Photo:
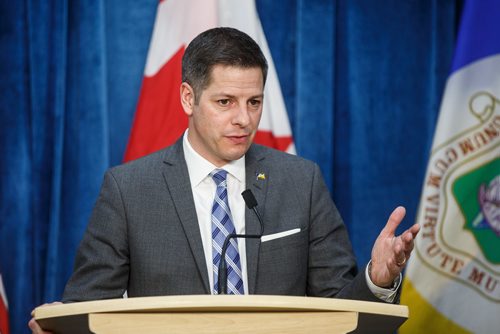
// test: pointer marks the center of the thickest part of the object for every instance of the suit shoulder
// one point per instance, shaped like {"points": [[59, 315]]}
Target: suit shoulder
{"points": [[146, 164], [282, 159]]}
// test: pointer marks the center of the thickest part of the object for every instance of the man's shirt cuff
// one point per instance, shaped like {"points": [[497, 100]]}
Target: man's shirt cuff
{"points": [[386, 294]]}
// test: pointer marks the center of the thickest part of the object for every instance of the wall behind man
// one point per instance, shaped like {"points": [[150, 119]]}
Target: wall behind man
{"points": [[362, 81]]}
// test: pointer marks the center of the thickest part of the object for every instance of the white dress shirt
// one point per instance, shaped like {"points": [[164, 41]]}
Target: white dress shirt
{"points": [[204, 187]]}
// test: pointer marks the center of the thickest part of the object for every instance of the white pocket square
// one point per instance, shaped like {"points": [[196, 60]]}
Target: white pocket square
{"points": [[278, 235]]}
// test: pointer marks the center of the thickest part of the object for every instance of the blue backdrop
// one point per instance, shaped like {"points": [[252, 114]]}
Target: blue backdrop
{"points": [[362, 82]]}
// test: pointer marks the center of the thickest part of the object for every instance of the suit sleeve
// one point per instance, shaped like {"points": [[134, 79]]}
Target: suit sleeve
{"points": [[332, 270], [101, 267]]}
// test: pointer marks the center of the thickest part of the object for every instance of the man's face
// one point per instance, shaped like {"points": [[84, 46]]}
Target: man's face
{"points": [[223, 124]]}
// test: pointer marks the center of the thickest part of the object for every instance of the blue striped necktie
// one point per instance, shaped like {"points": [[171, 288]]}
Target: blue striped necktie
{"points": [[222, 226]]}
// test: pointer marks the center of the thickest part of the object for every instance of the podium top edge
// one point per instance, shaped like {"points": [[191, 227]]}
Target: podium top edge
{"points": [[208, 303]]}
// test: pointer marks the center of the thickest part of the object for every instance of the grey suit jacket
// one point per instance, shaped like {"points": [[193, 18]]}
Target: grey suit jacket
{"points": [[144, 237]]}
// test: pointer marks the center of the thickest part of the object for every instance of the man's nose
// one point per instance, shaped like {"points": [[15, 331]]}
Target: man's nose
{"points": [[242, 117]]}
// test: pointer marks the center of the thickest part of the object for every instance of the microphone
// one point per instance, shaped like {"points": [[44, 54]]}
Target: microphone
{"points": [[251, 203]]}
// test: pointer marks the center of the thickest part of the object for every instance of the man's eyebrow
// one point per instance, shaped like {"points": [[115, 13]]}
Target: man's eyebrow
{"points": [[222, 95], [259, 96], [231, 96]]}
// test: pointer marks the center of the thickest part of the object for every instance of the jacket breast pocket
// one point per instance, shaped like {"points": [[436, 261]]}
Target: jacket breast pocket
{"points": [[283, 264], [285, 242]]}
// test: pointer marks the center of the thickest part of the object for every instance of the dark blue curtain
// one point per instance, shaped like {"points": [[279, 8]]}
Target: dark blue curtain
{"points": [[362, 82]]}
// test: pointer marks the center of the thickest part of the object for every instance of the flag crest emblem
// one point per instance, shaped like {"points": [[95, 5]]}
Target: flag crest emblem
{"points": [[478, 195]]}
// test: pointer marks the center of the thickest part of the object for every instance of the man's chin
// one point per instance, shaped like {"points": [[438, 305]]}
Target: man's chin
{"points": [[236, 153]]}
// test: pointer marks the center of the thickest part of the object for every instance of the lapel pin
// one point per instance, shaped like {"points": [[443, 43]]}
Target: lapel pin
{"points": [[261, 176]]}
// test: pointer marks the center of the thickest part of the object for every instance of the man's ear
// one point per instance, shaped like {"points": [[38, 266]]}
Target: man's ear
{"points": [[187, 98]]}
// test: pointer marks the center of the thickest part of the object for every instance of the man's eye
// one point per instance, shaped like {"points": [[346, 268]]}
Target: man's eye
{"points": [[255, 103], [223, 102]]}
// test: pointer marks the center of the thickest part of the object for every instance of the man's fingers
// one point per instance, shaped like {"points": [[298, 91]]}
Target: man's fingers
{"points": [[399, 256], [34, 326], [408, 238], [400, 253], [394, 220], [402, 262], [405, 244], [414, 230]]}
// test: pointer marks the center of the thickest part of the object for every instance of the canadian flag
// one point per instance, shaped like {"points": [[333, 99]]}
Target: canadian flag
{"points": [[4, 315], [159, 119]]}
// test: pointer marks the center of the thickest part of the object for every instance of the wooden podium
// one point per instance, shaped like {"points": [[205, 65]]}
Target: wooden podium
{"points": [[222, 314]]}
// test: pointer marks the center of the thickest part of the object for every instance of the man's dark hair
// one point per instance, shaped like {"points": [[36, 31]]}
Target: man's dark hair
{"points": [[219, 46]]}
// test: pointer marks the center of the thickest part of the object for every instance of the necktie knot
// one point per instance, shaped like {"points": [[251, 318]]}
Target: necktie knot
{"points": [[219, 176]]}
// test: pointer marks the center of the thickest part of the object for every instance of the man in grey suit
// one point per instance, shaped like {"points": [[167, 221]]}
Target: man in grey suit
{"points": [[152, 226]]}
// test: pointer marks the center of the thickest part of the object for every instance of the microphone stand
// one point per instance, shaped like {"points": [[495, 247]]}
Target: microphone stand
{"points": [[222, 283], [251, 203]]}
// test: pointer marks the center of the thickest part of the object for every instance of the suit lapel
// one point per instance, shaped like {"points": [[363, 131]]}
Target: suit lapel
{"points": [[257, 177], [176, 176]]}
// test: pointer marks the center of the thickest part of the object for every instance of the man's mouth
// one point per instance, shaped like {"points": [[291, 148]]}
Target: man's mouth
{"points": [[238, 139]]}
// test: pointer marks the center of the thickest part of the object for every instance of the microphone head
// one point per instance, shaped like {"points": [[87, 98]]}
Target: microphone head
{"points": [[249, 199]]}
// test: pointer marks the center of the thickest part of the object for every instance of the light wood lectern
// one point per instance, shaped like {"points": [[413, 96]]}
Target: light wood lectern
{"points": [[222, 314]]}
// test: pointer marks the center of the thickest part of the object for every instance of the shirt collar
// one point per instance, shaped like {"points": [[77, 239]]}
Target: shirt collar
{"points": [[199, 168]]}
